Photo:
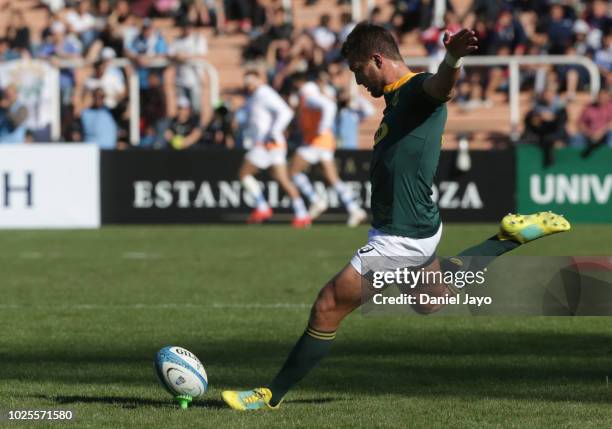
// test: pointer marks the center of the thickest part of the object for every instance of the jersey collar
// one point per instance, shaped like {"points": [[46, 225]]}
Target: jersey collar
{"points": [[402, 80]]}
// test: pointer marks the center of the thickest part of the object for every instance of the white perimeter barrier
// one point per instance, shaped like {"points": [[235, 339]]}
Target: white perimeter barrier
{"points": [[49, 186]]}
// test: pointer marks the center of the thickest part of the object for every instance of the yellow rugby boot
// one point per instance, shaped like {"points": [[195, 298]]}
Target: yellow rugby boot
{"points": [[256, 399], [526, 228]]}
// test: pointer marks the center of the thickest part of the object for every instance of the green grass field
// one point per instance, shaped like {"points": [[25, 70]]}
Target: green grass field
{"points": [[83, 313]]}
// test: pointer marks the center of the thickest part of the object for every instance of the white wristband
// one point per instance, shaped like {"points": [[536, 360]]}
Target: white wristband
{"points": [[452, 61]]}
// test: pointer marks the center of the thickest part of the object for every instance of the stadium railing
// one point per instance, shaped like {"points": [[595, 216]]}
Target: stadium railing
{"points": [[134, 88], [514, 63]]}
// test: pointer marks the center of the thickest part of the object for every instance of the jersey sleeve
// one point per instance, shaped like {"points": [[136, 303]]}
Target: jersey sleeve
{"points": [[417, 91]]}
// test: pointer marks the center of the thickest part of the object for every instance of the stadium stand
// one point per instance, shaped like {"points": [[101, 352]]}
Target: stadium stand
{"points": [[252, 34]]}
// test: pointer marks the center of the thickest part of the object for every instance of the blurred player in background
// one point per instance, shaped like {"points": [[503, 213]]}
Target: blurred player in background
{"points": [[317, 113], [268, 117]]}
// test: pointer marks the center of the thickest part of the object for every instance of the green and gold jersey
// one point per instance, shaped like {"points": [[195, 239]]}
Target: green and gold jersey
{"points": [[405, 158]]}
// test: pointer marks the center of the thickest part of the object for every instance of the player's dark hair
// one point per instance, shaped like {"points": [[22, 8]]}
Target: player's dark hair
{"points": [[367, 39]]}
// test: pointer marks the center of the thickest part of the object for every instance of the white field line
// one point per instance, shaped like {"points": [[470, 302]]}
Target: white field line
{"points": [[140, 255], [217, 305], [55, 255]]}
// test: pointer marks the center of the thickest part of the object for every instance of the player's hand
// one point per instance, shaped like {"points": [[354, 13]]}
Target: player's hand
{"points": [[461, 43]]}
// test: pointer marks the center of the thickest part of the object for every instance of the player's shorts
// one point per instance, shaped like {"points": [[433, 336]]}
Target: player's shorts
{"points": [[386, 252], [315, 154], [262, 157]]}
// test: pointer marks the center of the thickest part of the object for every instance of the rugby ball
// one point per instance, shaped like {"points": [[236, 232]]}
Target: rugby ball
{"points": [[181, 372]]}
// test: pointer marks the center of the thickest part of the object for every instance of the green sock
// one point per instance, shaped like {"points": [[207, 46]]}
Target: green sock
{"points": [[491, 247], [305, 355], [478, 257]]}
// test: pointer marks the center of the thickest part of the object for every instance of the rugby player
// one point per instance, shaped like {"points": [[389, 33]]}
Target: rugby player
{"points": [[317, 113], [406, 223], [268, 117]]}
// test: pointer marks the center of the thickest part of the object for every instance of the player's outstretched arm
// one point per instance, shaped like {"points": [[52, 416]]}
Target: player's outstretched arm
{"points": [[440, 85]]}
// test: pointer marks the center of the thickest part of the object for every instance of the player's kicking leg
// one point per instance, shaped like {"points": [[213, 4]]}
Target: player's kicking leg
{"points": [[343, 294], [357, 215], [247, 173], [515, 230], [339, 297], [281, 175]]}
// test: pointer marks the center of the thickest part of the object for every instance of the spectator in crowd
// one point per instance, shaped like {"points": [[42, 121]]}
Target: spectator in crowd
{"points": [[82, 22], [122, 19], [485, 37], [116, 29], [62, 45], [120, 13], [184, 130], [415, 14], [112, 81], [259, 17], [545, 124], [487, 10], [350, 114], [575, 75], [146, 49], [376, 17], [397, 25], [46, 33], [508, 37], [84, 29], [108, 37], [110, 78], [153, 115], [203, 13], [277, 33], [598, 16], [219, 132], [595, 124], [191, 45], [583, 43], [165, 8], [18, 32], [432, 36], [6, 53], [12, 117], [279, 28], [559, 30], [240, 11], [280, 62], [54, 5], [97, 123], [603, 56], [509, 32], [101, 12], [346, 26], [322, 35]]}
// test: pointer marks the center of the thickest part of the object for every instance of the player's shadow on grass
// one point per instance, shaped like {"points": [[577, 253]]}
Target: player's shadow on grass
{"points": [[130, 402], [514, 364], [313, 401]]}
